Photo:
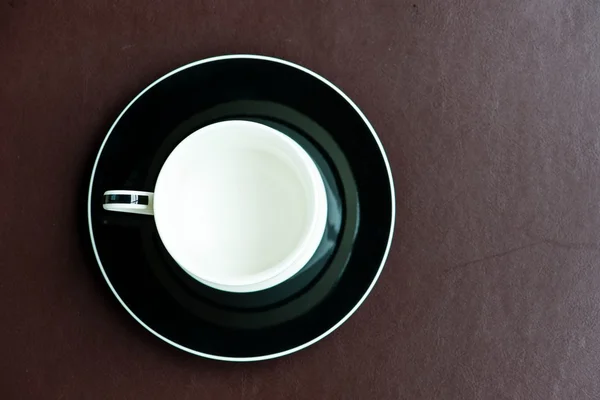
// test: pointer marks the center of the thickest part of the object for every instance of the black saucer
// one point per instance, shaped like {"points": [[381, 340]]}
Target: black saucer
{"points": [[319, 298]]}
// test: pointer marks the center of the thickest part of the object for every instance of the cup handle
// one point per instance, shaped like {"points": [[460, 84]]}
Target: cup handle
{"points": [[129, 201]]}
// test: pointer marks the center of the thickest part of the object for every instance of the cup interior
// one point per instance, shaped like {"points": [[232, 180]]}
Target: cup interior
{"points": [[237, 203]]}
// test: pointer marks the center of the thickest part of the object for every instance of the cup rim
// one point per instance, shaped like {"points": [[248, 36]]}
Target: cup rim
{"points": [[301, 253]]}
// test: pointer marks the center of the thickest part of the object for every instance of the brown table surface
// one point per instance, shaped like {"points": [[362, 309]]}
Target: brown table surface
{"points": [[489, 111]]}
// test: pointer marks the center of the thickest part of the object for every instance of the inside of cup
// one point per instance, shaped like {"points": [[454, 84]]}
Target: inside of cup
{"points": [[238, 202]]}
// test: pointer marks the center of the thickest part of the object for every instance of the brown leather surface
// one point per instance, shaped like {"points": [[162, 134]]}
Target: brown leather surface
{"points": [[490, 113]]}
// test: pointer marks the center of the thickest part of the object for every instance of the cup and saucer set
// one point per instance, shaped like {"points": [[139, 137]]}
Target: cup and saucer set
{"points": [[241, 208]]}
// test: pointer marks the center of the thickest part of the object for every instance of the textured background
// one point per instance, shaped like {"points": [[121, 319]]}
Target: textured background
{"points": [[489, 111]]}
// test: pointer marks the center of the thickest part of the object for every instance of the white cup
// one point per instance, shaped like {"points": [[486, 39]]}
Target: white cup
{"points": [[239, 206]]}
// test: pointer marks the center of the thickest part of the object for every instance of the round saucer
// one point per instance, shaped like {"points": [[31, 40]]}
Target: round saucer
{"points": [[272, 91]]}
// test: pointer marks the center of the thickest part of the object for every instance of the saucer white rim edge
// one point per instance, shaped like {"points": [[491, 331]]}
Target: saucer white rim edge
{"points": [[377, 140]]}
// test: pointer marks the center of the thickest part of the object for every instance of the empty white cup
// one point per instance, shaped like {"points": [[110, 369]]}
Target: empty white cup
{"points": [[239, 206]]}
